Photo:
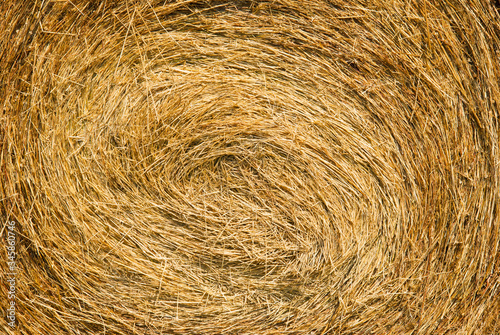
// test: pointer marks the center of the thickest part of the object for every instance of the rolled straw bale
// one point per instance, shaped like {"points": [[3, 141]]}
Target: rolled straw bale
{"points": [[251, 167]]}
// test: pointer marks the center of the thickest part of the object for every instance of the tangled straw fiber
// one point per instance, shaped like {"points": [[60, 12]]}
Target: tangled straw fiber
{"points": [[251, 167]]}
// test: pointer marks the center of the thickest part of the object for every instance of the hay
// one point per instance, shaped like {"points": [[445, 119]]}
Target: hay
{"points": [[251, 167]]}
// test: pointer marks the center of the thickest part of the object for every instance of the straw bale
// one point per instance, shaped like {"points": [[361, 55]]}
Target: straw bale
{"points": [[251, 167]]}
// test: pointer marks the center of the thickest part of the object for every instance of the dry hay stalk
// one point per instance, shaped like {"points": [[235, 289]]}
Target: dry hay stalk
{"points": [[251, 167]]}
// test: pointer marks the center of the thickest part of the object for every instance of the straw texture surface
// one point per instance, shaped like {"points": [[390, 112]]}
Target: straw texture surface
{"points": [[251, 167]]}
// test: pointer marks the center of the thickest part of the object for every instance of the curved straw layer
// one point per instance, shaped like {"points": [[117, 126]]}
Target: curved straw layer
{"points": [[254, 167]]}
